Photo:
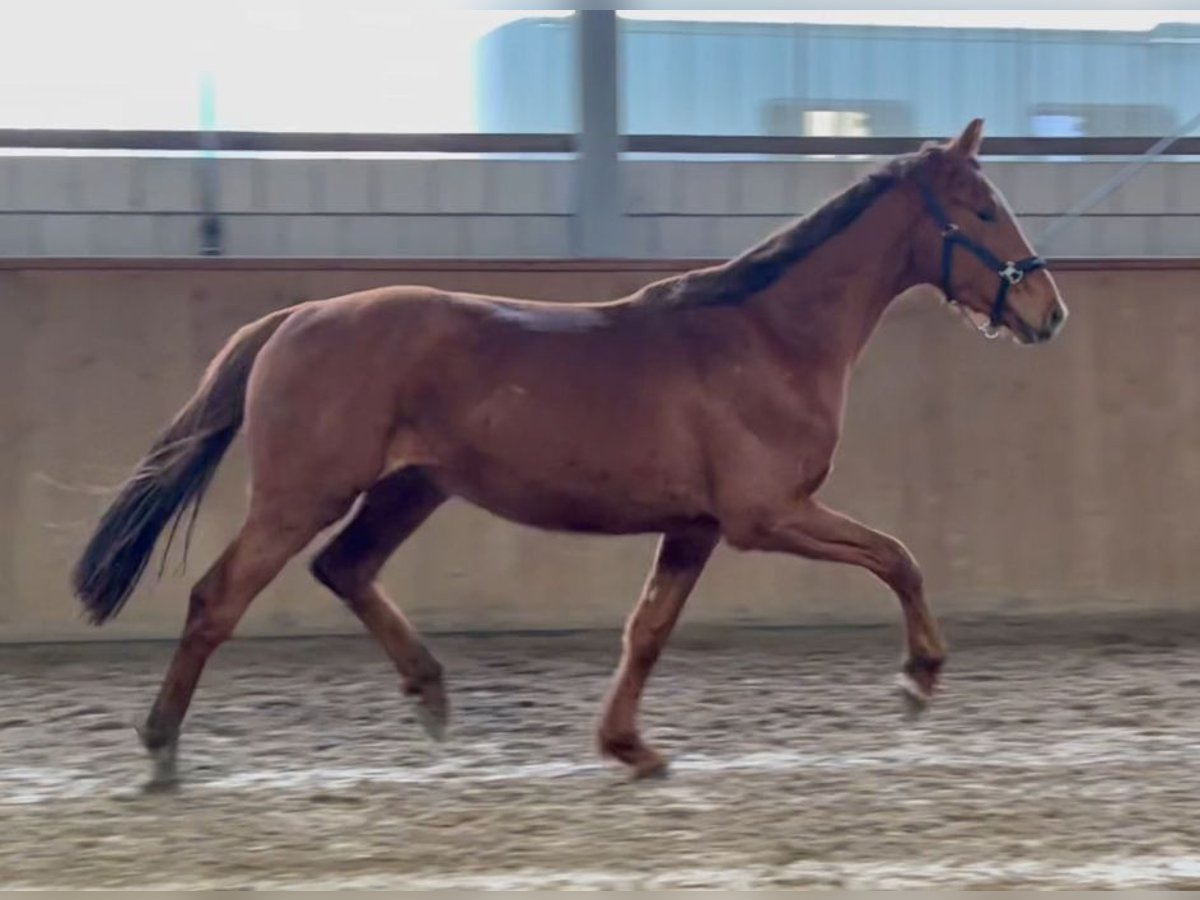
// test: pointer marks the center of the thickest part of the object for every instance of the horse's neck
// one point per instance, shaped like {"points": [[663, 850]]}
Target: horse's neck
{"points": [[834, 297]]}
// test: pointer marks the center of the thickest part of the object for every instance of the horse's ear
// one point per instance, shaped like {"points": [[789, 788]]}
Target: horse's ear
{"points": [[969, 142]]}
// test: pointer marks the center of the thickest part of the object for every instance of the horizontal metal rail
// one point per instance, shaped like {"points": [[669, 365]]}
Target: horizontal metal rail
{"points": [[282, 141], [751, 145], [891, 146]]}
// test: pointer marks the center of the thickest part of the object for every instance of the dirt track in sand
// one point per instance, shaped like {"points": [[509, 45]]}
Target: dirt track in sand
{"points": [[1054, 759]]}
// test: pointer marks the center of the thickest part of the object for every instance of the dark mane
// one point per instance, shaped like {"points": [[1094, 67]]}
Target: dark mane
{"points": [[760, 266]]}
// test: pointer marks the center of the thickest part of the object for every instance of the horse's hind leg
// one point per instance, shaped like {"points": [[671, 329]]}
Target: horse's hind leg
{"points": [[680, 560], [218, 601], [392, 509]]}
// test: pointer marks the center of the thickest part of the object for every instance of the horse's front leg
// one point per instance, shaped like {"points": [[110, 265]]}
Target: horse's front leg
{"points": [[812, 530]]}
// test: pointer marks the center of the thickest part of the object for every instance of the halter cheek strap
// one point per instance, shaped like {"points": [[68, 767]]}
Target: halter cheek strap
{"points": [[1010, 273]]}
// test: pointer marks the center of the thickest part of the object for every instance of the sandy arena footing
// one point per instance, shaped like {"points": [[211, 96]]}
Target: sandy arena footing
{"points": [[1059, 756]]}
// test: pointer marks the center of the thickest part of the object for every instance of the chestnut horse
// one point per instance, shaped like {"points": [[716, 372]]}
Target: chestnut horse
{"points": [[704, 407]]}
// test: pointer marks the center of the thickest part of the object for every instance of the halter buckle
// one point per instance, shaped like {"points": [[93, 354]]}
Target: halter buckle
{"points": [[1012, 274], [949, 229]]}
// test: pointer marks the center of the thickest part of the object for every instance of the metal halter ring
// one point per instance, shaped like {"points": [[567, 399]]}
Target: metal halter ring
{"points": [[990, 331], [1011, 273]]}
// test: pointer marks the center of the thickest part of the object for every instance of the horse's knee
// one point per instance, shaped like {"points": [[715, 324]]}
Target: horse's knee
{"points": [[331, 571], [322, 568]]}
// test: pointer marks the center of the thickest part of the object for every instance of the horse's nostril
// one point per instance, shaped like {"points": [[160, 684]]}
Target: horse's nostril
{"points": [[1056, 317]]}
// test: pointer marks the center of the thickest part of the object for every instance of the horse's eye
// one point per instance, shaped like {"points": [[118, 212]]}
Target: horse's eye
{"points": [[987, 214]]}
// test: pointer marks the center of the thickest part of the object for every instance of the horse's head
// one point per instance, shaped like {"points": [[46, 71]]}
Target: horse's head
{"points": [[970, 245]]}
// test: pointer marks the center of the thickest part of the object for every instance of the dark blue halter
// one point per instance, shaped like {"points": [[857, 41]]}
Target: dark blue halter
{"points": [[1010, 273]]}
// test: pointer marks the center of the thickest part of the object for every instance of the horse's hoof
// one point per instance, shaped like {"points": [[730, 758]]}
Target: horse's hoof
{"points": [[915, 698], [164, 774], [641, 761], [433, 712], [653, 766], [157, 785]]}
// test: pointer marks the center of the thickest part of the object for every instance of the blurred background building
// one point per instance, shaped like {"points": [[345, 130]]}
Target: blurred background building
{"points": [[799, 78], [377, 131]]}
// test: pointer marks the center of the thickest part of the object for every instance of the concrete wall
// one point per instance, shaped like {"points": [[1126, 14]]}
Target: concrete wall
{"points": [[1064, 478], [507, 208]]}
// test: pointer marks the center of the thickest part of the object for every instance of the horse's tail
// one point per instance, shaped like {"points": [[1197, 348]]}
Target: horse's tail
{"points": [[171, 477]]}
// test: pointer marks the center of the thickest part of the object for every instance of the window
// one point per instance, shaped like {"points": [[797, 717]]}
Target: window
{"points": [[1101, 120], [836, 123], [835, 118], [1051, 125]]}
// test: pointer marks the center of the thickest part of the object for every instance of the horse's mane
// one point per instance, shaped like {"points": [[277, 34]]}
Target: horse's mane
{"points": [[760, 266]]}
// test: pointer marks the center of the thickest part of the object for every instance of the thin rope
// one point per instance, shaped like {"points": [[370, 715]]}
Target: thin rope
{"points": [[1056, 227]]}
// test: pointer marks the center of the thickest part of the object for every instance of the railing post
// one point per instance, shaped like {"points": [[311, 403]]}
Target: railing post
{"points": [[598, 229], [207, 163]]}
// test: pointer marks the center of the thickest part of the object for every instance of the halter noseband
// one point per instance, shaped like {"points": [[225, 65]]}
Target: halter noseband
{"points": [[1010, 273]]}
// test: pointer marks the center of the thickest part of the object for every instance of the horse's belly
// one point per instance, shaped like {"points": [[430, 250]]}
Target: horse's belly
{"points": [[565, 450], [577, 496]]}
